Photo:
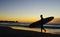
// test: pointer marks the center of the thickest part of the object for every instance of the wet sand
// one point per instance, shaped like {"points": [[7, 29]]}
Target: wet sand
{"points": [[9, 32]]}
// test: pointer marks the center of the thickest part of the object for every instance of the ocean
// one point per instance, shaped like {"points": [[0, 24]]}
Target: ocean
{"points": [[54, 29]]}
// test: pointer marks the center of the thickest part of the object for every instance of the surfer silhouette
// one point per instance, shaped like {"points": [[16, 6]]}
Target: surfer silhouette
{"points": [[42, 27], [41, 22]]}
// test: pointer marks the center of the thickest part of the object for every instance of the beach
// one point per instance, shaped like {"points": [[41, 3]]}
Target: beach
{"points": [[9, 32]]}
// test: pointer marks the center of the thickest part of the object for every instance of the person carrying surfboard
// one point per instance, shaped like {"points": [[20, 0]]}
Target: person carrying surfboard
{"points": [[41, 22], [42, 28]]}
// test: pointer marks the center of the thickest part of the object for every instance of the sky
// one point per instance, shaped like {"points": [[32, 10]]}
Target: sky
{"points": [[29, 10]]}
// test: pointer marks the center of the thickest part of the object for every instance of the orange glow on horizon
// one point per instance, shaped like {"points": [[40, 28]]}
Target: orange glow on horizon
{"points": [[27, 20], [19, 19]]}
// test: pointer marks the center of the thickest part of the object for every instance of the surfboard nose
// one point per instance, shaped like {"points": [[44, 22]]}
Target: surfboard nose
{"points": [[52, 17]]}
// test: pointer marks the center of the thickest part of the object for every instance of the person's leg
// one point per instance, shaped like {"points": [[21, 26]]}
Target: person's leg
{"points": [[44, 29], [41, 29]]}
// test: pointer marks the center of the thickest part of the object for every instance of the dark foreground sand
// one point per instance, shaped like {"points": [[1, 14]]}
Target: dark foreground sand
{"points": [[8, 32]]}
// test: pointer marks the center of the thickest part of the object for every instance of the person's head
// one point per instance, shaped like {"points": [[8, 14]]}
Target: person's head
{"points": [[41, 15]]}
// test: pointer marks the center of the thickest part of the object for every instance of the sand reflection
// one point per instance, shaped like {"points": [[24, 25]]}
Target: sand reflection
{"points": [[29, 29]]}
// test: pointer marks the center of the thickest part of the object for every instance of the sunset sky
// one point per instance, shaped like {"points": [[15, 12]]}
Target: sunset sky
{"points": [[29, 10]]}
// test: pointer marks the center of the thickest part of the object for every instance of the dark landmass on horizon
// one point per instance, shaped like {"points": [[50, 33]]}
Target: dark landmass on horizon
{"points": [[1, 21]]}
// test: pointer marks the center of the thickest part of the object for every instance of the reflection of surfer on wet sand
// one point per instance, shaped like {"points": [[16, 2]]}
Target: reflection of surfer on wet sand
{"points": [[42, 28]]}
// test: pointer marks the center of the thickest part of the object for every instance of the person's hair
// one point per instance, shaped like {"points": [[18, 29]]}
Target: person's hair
{"points": [[41, 15]]}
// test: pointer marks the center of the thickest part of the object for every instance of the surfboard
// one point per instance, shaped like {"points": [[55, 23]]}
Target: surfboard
{"points": [[40, 22]]}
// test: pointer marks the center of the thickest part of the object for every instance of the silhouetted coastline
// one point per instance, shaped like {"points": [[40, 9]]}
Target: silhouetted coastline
{"points": [[9, 32], [1, 21]]}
